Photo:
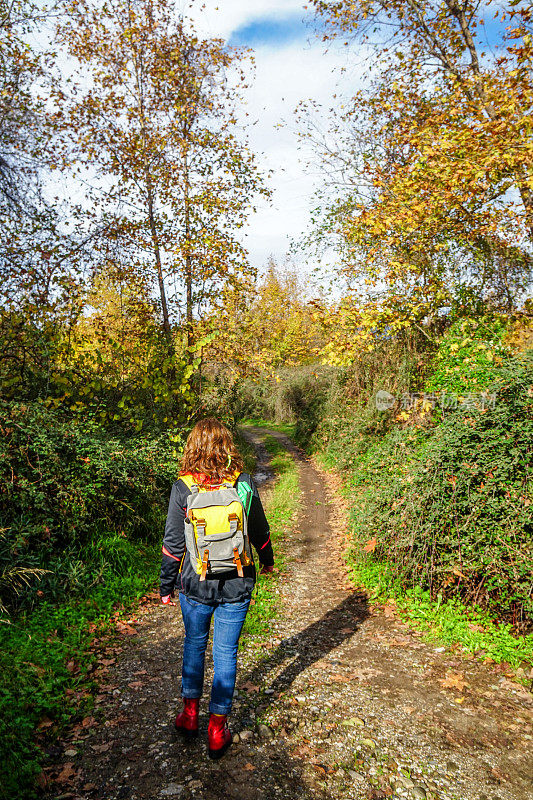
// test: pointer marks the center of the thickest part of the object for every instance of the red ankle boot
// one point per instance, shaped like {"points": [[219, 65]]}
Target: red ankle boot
{"points": [[187, 721], [218, 734]]}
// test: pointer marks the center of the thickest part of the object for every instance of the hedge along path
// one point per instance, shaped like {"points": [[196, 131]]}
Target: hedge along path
{"points": [[340, 700]]}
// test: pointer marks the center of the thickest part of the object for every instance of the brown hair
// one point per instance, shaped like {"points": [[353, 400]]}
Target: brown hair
{"points": [[210, 450]]}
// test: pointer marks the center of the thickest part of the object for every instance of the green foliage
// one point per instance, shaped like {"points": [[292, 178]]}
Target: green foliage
{"points": [[70, 495], [469, 357], [89, 508], [450, 506], [450, 622], [95, 370], [294, 396], [448, 502]]}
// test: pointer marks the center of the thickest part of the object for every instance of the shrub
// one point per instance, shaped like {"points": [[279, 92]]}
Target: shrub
{"points": [[450, 507], [69, 493]]}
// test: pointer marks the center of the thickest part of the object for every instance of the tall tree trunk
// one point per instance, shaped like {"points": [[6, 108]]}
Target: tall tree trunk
{"points": [[188, 264], [157, 254], [139, 75]]}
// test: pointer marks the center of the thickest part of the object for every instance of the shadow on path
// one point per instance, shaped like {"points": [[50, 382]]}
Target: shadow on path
{"points": [[311, 644]]}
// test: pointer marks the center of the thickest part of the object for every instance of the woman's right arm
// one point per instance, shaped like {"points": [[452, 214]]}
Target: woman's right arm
{"points": [[173, 542]]}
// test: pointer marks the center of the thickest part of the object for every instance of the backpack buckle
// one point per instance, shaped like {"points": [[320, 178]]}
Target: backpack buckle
{"points": [[205, 565], [237, 559]]}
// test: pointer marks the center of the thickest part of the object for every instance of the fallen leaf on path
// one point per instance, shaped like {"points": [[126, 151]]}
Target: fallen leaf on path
{"points": [[88, 722], [454, 681], [400, 641], [67, 773], [135, 685], [125, 629], [106, 662], [112, 723], [44, 723], [249, 767], [249, 687], [101, 748], [302, 750], [365, 673], [347, 630], [370, 546], [500, 776], [338, 678]]}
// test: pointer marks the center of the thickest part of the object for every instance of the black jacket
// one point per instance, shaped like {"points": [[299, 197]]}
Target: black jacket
{"points": [[177, 570]]}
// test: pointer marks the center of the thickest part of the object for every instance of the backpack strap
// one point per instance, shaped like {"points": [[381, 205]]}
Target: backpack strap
{"points": [[245, 492], [188, 480]]}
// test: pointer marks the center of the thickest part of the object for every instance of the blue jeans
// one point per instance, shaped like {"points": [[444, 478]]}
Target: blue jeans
{"points": [[229, 619]]}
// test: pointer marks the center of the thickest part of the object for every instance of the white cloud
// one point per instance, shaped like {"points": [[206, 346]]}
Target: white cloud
{"points": [[223, 17]]}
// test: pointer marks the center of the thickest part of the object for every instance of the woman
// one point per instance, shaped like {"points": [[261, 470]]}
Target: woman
{"points": [[210, 460]]}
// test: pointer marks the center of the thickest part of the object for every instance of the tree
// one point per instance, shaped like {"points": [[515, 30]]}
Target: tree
{"points": [[435, 157], [40, 258], [265, 328], [157, 122]]}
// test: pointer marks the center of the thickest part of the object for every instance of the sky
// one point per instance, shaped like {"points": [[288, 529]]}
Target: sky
{"points": [[291, 65]]}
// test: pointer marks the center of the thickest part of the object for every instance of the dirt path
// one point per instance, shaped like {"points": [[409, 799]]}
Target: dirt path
{"points": [[343, 701]]}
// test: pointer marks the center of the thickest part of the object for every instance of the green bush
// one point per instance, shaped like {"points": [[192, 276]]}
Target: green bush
{"points": [[450, 505], [469, 357], [448, 501], [70, 495]]}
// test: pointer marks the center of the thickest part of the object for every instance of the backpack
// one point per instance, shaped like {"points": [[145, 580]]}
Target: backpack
{"points": [[216, 529]]}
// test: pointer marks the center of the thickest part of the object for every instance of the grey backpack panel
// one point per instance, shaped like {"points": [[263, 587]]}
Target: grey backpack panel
{"points": [[220, 545]]}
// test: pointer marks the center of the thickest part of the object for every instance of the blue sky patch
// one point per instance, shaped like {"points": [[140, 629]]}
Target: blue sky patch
{"points": [[272, 31]]}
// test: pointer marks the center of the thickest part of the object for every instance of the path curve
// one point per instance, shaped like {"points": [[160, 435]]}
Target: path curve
{"points": [[353, 704]]}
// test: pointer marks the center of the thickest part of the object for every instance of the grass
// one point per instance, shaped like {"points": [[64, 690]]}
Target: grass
{"points": [[449, 623], [46, 662], [281, 510], [247, 451], [287, 428]]}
